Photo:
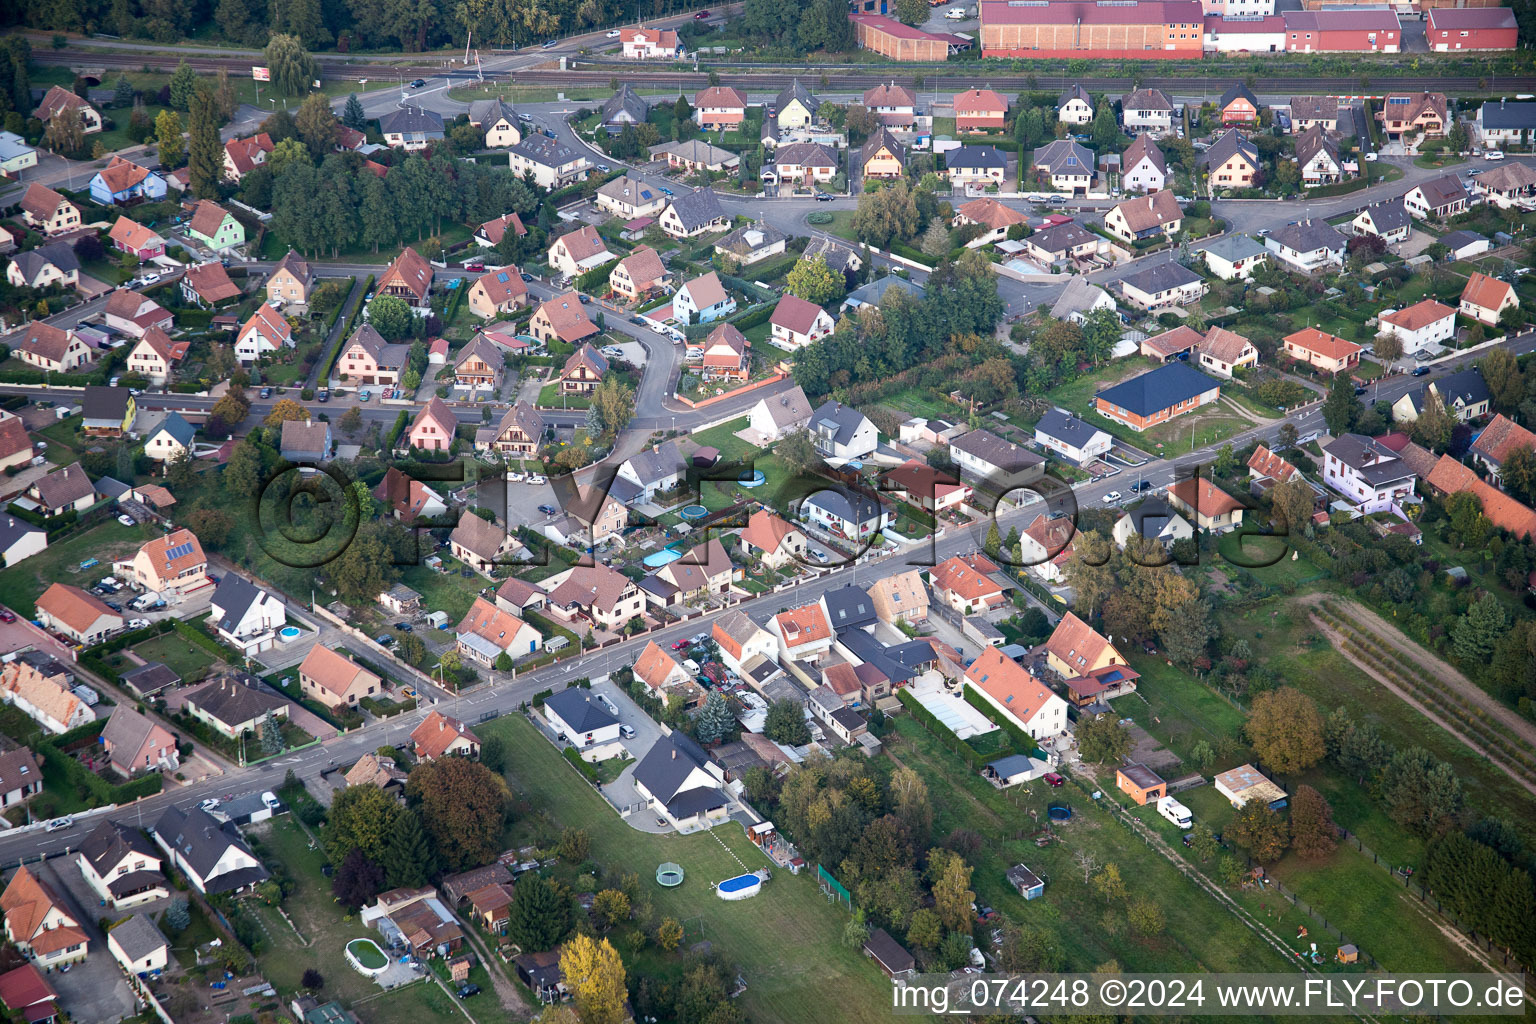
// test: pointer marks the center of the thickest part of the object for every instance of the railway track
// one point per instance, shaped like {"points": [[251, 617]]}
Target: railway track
{"points": [[590, 72]]}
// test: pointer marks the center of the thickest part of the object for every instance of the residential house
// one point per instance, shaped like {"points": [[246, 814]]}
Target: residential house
{"points": [[123, 182], [649, 472], [719, 108], [967, 584], [121, 866], [441, 736], [777, 416], [649, 43], [882, 156], [170, 439], [434, 428], [1389, 221], [15, 155], [408, 499], [680, 783], [64, 490], [1062, 433], [59, 99], [1507, 185], [493, 231], [990, 463], [496, 118], [408, 277], [598, 514], [25, 990], [246, 616], [1366, 471], [1157, 396], [1076, 649], [1062, 242], [1075, 106], [335, 680], [138, 946], [1066, 164], [1505, 513], [1484, 298], [16, 446], [583, 371], [106, 412], [155, 356], [208, 285], [48, 348], [54, 263], [1308, 245], [1322, 351], [696, 156], [82, 617], [845, 513], [1006, 686], [796, 106], [19, 540], [211, 855], [487, 632], [741, 641], [376, 770], [498, 292], [482, 545], [1211, 507], [1238, 105], [579, 251], [704, 569], [895, 105], [1318, 157], [803, 633], [134, 238], [291, 281], [39, 922], [795, 323], [132, 314], [638, 274], [520, 432], [992, 217], [1425, 324], [980, 110], [629, 196], [840, 432], [702, 300], [752, 243], [241, 156], [1143, 166], [659, 671], [606, 598], [173, 563], [1440, 197], [136, 743], [263, 332], [1234, 257], [1155, 522], [561, 318], [925, 486], [411, 128], [1145, 217], [1496, 441], [694, 213], [47, 211], [1231, 162], [1463, 394], [976, 165], [1307, 111], [1264, 464], [1162, 285], [1506, 122], [45, 699], [900, 597], [1463, 245], [1425, 113], [1223, 352], [1147, 110], [215, 227], [234, 705], [150, 679], [777, 541], [479, 365]]}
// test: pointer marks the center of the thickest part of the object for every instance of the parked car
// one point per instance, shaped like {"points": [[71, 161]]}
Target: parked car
{"points": [[613, 34], [823, 197], [701, 16], [6, 615], [548, 510], [819, 555], [404, 627], [1111, 497], [266, 392], [1053, 780], [471, 989], [384, 640], [550, 44], [138, 624], [125, 519], [324, 395], [1421, 371], [955, 14], [364, 395]]}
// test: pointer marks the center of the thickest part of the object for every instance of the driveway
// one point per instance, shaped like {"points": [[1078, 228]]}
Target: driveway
{"points": [[95, 989]]}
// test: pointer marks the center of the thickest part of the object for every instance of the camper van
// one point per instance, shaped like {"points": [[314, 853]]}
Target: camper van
{"points": [[1174, 811]]}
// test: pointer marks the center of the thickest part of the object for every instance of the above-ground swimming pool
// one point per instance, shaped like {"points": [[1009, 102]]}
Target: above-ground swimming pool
{"points": [[741, 887], [669, 875], [657, 559], [366, 957], [752, 479], [693, 512], [288, 633]]}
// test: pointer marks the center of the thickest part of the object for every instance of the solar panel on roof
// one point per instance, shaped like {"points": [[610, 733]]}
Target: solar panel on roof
{"points": [[502, 277], [177, 551]]}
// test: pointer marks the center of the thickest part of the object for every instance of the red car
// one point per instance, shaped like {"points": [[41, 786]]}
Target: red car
{"points": [[1052, 779], [701, 16], [6, 615], [680, 645]]}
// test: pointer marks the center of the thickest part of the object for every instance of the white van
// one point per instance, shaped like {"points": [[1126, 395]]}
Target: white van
{"points": [[1174, 811]]}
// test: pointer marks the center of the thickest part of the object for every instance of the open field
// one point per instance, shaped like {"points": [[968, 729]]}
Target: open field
{"points": [[787, 940]]}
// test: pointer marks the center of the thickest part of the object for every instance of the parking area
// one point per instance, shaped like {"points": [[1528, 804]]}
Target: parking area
{"points": [[92, 991]]}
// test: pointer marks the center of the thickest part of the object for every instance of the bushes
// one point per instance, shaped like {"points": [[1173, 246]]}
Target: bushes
{"points": [[753, 317], [1022, 741], [91, 786]]}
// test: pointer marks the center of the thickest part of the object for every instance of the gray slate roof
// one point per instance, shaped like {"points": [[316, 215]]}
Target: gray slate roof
{"points": [[1390, 216], [697, 208], [849, 607], [104, 403], [1152, 517], [1161, 278], [109, 842], [1369, 457], [1065, 427], [1507, 116], [578, 710], [541, 149], [795, 90], [411, 120], [487, 112], [1309, 236], [178, 428], [1065, 157], [627, 100], [984, 157], [1230, 144], [200, 840], [235, 594], [234, 700], [871, 292], [1235, 247], [138, 938], [839, 421], [1159, 389], [1467, 386]]}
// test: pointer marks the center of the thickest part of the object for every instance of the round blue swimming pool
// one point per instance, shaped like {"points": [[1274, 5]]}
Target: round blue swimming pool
{"points": [[753, 479], [290, 632], [693, 512]]}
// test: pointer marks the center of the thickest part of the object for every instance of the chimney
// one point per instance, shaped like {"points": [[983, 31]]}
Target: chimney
{"points": [[674, 753]]}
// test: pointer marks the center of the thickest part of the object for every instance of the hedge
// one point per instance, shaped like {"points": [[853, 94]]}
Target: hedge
{"points": [[753, 317], [587, 769], [396, 430], [595, 278], [99, 790], [936, 727], [1022, 741], [330, 362]]}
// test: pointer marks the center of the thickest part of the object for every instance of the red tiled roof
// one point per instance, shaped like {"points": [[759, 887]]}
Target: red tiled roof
{"points": [[1008, 683], [1420, 314], [1451, 477], [966, 576]]}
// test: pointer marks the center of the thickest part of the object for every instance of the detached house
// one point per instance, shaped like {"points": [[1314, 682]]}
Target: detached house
{"points": [[135, 239], [752, 243], [291, 281], [653, 470], [776, 416], [702, 300], [1322, 351], [803, 633], [1238, 105], [1075, 106], [579, 251], [211, 855], [498, 292], [989, 462], [135, 743], [1440, 197], [704, 569], [441, 736], [1161, 286], [492, 232], [173, 563], [499, 122], [1005, 685], [156, 355], [59, 99], [1424, 112], [845, 513], [408, 499], [991, 216], [241, 156], [1143, 166], [1062, 433], [245, 616], [583, 371], [562, 318], [980, 110], [52, 264], [121, 866], [719, 107], [369, 359], [725, 355], [1308, 245], [335, 680], [1389, 221], [1231, 162], [605, 597], [743, 643], [1068, 165], [649, 43], [893, 104], [434, 428], [1075, 649], [479, 364], [795, 105], [208, 285], [1497, 440], [624, 109], [1425, 324], [660, 672], [696, 213], [1223, 351], [47, 211], [130, 313], [1234, 257], [796, 323], [638, 274], [235, 704], [842, 433], [777, 541], [629, 196], [64, 490], [1318, 157], [1045, 545], [264, 331], [882, 156], [408, 277], [123, 182], [976, 165], [1366, 471], [487, 632], [521, 431], [49, 348], [1210, 507], [47, 700], [411, 128], [1464, 395], [1147, 110], [1145, 217], [482, 545], [1484, 298], [1157, 396], [215, 227], [40, 923], [82, 617], [965, 583]]}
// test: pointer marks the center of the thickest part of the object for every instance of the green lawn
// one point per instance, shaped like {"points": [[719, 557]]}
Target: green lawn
{"points": [[550, 398], [723, 438], [275, 247], [182, 656], [918, 402], [21, 584], [1267, 557], [1181, 710], [787, 940], [444, 591]]}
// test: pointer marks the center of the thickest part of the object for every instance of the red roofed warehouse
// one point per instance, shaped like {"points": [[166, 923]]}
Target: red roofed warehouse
{"points": [[1485, 28], [1158, 29], [1359, 31], [890, 38]]}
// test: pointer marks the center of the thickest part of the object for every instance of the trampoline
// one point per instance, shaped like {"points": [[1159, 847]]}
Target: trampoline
{"points": [[1060, 812], [693, 512], [669, 875], [755, 478]]}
